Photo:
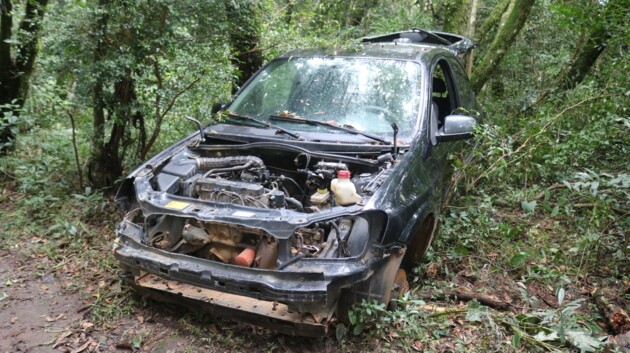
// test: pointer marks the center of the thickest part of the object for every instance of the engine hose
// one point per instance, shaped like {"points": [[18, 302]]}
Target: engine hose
{"points": [[338, 231], [205, 163], [293, 260], [228, 169], [295, 203]]}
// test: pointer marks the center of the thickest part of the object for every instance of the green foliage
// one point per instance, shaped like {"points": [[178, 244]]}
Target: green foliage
{"points": [[543, 201], [412, 326], [9, 123]]}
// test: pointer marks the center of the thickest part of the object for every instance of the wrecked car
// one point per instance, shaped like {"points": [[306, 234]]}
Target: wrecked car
{"points": [[314, 188]]}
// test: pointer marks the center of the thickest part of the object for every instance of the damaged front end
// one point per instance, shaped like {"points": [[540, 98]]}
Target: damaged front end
{"points": [[255, 232]]}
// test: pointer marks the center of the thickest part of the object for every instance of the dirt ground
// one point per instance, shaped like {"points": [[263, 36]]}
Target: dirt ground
{"points": [[72, 305], [44, 309]]}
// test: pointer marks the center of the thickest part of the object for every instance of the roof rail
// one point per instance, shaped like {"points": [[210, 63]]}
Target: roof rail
{"points": [[458, 44]]}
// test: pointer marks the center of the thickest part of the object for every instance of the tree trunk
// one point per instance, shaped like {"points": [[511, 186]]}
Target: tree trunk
{"points": [[470, 32], [15, 72], [501, 43], [454, 16], [491, 22], [585, 55], [107, 160], [591, 45], [97, 169], [244, 38]]}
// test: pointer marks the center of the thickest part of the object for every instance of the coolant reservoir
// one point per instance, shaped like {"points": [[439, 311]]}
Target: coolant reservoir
{"points": [[344, 190]]}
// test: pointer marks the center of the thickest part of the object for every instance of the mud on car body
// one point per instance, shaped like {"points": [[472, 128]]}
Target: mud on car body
{"points": [[312, 190]]}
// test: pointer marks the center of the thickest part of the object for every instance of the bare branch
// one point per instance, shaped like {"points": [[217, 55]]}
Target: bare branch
{"points": [[160, 118], [172, 102], [76, 151]]}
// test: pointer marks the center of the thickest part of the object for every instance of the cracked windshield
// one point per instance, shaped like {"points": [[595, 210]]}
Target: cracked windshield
{"points": [[364, 94]]}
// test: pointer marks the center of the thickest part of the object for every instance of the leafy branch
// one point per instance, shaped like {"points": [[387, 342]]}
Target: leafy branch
{"points": [[525, 143]]}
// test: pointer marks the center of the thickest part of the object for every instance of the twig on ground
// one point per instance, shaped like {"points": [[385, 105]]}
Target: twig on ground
{"points": [[467, 296], [541, 194]]}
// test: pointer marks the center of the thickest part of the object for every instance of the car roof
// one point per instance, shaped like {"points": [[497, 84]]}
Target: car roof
{"points": [[416, 44], [397, 51]]}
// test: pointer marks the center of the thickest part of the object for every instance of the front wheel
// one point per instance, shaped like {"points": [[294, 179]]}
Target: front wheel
{"points": [[386, 283]]}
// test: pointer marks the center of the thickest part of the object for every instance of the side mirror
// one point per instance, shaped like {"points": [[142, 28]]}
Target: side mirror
{"points": [[457, 127], [216, 107]]}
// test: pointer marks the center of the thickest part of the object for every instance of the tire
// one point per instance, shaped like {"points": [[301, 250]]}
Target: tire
{"points": [[384, 283], [420, 242]]}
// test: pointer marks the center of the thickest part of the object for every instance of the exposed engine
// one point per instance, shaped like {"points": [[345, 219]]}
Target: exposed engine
{"points": [[293, 182], [247, 180]]}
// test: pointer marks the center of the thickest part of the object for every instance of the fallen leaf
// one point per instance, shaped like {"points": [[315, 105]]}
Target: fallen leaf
{"points": [[86, 325], [83, 346], [136, 342], [53, 319], [61, 339], [417, 346], [124, 345], [115, 289], [433, 270]]}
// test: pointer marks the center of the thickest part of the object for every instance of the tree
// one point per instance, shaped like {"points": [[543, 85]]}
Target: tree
{"points": [[453, 15], [17, 58], [593, 41], [506, 34], [244, 35], [598, 23], [143, 57], [491, 22]]}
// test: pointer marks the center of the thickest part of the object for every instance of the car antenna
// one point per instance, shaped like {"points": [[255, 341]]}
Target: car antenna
{"points": [[198, 125], [395, 147]]}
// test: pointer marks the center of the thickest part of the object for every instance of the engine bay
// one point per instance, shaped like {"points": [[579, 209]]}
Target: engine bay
{"points": [[263, 179], [270, 179]]}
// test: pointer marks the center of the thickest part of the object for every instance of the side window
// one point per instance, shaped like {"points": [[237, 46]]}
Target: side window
{"points": [[465, 92], [443, 95]]}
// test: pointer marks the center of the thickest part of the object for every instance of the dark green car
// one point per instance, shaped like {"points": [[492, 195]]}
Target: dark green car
{"points": [[313, 189]]}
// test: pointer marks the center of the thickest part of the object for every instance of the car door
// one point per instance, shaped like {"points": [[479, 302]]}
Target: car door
{"points": [[444, 101]]}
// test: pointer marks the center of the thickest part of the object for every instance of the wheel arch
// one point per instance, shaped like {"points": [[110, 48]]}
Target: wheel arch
{"points": [[419, 237]]}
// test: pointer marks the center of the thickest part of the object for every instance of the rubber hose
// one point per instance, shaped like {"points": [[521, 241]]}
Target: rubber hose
{"points": [[204, 163]]}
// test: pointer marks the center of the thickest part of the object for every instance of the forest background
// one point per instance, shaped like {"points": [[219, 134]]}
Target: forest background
{"points": [[89, 89]]}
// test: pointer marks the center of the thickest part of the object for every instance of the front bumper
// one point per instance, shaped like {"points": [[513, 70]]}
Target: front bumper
{"points": [[269, 314], [300, 299]]}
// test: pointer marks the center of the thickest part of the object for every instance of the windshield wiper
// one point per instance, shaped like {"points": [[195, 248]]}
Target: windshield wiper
{"points": [[264, 124], [300, 120]]}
